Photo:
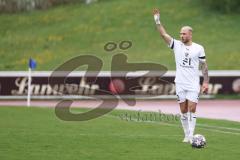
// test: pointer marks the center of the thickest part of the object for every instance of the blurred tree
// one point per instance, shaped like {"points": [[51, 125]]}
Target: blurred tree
{"points": [[226, 6], [12, 6]]}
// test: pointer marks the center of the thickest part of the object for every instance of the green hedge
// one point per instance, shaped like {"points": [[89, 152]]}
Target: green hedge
{"points": [[226, 6], [11, 6]]}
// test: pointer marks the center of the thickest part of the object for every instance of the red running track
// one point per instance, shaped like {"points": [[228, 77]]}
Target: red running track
{"points": [[213, 109]]}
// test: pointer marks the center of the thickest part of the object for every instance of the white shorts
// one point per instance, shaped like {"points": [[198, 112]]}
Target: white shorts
{"points": [[184, 94]]}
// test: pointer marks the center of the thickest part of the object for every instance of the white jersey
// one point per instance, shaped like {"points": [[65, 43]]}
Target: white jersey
{"points": [[187, 60]]}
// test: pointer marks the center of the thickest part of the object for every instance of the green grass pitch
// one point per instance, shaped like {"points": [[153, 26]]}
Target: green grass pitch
{"points": [[36, 133]]}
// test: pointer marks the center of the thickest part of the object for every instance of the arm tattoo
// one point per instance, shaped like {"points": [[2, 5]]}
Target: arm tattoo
{"points": [[204, 68]]}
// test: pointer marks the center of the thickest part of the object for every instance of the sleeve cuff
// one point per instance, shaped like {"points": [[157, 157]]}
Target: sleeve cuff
{"points": [[171, 45], [202, 59]]}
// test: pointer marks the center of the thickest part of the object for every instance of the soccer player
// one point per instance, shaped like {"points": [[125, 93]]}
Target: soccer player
{"points": [[188, 57]]}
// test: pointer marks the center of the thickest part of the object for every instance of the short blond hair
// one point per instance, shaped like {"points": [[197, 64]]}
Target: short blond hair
{"points": [[188, 28]]}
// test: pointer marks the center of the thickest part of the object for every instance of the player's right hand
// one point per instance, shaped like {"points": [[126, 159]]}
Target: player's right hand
{"points": [[156, 15], [156, 11]]}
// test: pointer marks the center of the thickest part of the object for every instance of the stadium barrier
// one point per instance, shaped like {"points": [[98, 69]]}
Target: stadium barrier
{"points": [[13, 85]]}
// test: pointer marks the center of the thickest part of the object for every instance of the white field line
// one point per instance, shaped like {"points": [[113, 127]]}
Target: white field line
{"points": [[217, 127], [205, 127]]}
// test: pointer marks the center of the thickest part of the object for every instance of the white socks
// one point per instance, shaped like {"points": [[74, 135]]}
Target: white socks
{"points": [[188, 121], [184, 121], [191, 123]]}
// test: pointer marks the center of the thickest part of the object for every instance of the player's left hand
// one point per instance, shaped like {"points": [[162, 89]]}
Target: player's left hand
{"points": [[205, 88]]}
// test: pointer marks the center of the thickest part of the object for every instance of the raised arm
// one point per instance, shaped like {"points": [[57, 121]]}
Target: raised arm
{"points": [[167, 38]]}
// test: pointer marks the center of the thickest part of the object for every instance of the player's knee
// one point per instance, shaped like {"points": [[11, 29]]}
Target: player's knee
{"points": [[192, 108], [184, 107], [184, 111]]}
